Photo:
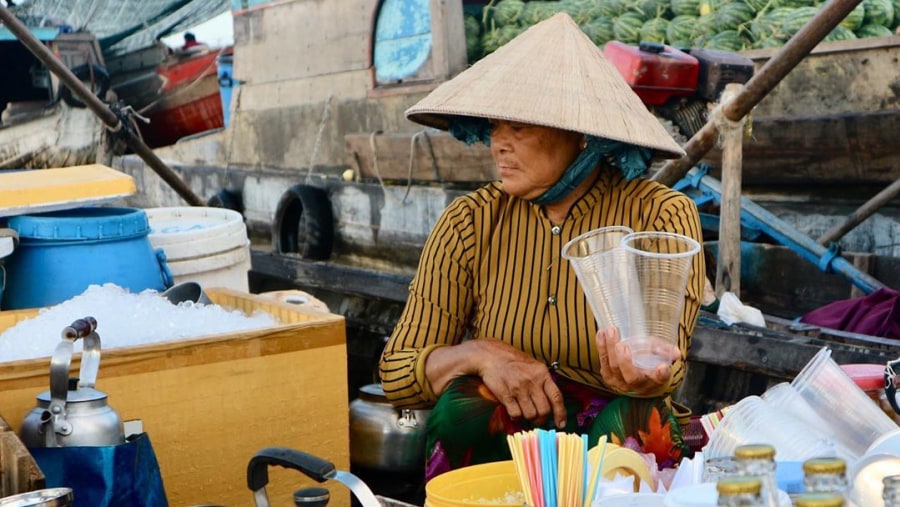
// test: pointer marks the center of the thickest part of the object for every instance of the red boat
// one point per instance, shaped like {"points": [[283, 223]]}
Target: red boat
{"points": [[188, 101]]}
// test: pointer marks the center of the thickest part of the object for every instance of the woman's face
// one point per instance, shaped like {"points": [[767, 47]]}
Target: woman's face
{"points": [[531, 158]]}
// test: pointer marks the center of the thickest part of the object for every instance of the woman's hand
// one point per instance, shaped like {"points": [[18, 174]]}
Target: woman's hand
{"points": [[620, 374], [521, 383]]}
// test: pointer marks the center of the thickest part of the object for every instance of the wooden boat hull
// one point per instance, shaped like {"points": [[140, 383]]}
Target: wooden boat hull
{"points": [[59, 136], [188, 102]]}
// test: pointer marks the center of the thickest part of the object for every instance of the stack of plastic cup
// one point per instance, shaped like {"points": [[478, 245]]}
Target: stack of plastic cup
{"points": [[755, 421], [662, 262], [854, 420], [587, 255]]}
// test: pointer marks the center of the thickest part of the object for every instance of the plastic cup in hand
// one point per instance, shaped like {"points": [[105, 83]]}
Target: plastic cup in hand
{"points": [[586, 253], [648, 310]]}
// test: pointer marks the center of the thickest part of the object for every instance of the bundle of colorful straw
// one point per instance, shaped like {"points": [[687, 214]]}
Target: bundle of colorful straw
{"points": [[553, 468]]}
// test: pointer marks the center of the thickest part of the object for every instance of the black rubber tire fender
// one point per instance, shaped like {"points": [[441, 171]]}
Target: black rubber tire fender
{"points": [[304, 223], [94, 76], [227, 199]]}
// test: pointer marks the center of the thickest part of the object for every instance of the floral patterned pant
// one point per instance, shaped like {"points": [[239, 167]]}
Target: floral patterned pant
{"points": [[468, 426]]}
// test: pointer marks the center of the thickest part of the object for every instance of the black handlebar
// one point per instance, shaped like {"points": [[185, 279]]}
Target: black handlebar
{"points": [[258, 469]]}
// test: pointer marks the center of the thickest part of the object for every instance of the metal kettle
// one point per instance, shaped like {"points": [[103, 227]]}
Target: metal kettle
{"points": [[383, 437], [73, 413]]}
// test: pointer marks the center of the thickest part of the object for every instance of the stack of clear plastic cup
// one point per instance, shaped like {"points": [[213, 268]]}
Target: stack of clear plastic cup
{"points": [[754, 421], [587, 254], [662, 261], [854, 420], [784, 397]]}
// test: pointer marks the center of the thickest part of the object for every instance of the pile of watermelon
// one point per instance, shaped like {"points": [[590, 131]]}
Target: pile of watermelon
{"points": [[731, 25]]}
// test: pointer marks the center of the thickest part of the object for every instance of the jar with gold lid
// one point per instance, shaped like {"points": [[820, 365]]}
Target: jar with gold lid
{"points": [[739, 491], [758, 460], [825, 475], [819, 500]]}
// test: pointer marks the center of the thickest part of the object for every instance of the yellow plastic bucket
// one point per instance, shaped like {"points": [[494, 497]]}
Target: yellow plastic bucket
{"points": [[495, 484]]}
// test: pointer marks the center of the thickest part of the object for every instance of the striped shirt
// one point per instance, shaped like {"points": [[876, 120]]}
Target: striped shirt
{"points": [[492, 268]]}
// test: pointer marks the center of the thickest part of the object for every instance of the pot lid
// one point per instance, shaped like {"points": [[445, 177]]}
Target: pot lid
{"points": [[81, 394], [372, 392], [52, 497]]}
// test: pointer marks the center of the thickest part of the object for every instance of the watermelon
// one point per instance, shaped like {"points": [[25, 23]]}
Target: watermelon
{"points": [[873, 31], [681, 28], [654, 30], [797, 3], [840, 33], [600, 30], [733, 15], [854, 20], [649, 9], [492, 39], [473, 38], [535, 12], [770, 42], [726, 40], [582, 11], [798, 19], [508, 12], [627, 27], [611, 8], [770, 25], [761, 5], [706, 27], [687, 7], [710, 6], [878, 12]]}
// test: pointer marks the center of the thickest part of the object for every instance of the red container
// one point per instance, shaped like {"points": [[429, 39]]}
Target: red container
{"points": [[655, 72]]}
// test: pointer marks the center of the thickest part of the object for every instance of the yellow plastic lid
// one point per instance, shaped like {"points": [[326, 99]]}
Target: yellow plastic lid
{"points": [[40, 190], [739, 485], [818, 500], [835, 466], [754, 451]]}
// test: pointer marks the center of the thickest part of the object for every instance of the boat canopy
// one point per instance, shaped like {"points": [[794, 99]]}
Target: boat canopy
{"points": [[121, 26]]}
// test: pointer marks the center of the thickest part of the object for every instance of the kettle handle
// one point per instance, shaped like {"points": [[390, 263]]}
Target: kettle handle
{"points": [[314, 467], [61, 361]]}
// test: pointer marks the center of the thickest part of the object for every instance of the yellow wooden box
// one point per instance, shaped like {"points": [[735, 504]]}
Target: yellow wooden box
{"points": [[208, 404]]}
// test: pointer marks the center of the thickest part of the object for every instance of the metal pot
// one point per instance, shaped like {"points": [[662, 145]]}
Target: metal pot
{"points": [[52, 497], [383, 437], [73, 413]]}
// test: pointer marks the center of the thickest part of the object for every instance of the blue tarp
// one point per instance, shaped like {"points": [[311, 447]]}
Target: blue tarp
{"points": [[121, 26]]}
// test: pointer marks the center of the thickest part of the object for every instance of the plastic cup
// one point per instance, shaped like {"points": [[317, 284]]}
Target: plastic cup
{"points": [[648, 311], [586, 255], [853, 418], [755, 421]]}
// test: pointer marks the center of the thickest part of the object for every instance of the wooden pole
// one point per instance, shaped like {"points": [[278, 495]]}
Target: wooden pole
{"points": [[759, 86], [728, 265], [863, 212], [97, 106]]}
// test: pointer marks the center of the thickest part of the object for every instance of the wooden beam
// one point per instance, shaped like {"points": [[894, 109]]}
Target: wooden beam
{"points": [[728, 267]]}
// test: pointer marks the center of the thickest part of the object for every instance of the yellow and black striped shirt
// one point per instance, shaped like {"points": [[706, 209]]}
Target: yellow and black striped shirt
{"points": [[492, 268]]}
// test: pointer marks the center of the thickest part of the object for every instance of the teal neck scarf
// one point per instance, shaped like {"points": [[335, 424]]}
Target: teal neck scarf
{"points": [[632, 160]]}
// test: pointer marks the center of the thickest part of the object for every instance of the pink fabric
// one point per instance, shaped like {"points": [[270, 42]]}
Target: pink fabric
{"points": [[877, 314]]}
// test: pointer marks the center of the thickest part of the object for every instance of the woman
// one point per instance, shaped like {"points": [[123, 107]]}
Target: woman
{"points": [[497, 333]]}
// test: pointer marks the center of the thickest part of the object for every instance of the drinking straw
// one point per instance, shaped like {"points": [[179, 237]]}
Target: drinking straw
{"points": [[547, 444], [584, 467], [596, 473], [534, 468], [515, 448]]}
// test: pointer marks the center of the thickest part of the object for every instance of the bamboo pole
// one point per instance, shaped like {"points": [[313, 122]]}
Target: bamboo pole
{"points": [[93, 103], [863, 212], [759, 86], [728, 265]]}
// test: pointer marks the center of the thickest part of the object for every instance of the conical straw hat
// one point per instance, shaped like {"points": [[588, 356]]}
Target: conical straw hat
{"points": [[550, 75]]}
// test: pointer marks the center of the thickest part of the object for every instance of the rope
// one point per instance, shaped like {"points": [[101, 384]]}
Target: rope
{"points": [[315, 151], [724, 125], [384, 187]]}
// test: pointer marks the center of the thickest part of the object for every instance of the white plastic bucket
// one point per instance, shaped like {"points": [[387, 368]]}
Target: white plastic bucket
{"points": [[203, 244]]}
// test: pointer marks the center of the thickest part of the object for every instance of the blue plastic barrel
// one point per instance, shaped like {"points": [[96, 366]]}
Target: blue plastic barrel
{"points": [[61, 253]]}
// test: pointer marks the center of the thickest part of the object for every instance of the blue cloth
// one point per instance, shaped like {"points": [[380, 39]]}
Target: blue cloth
{"points": [[107, 476]]}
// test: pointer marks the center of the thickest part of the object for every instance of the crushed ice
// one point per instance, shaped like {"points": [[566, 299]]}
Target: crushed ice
{"points": [[124, 319]]}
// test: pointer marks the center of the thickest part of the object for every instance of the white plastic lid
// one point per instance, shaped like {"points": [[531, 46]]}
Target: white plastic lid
{"points": [[187, 224]]}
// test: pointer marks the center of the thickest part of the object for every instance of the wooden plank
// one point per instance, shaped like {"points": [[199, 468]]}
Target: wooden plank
{"points": [[728, 268], [18, 471], [847, 149], [434, 156]]}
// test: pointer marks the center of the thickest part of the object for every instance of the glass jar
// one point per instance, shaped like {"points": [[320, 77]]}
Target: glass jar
{"points": [[758, 460], [891, 492], [825, 475], [819, 500], [739, 491]]}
